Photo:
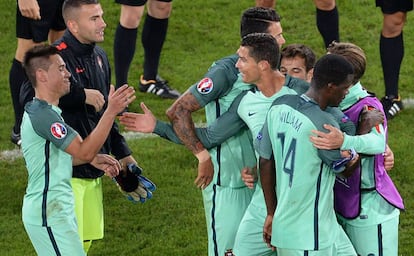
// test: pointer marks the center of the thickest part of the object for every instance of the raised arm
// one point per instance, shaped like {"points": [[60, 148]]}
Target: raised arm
{"points": [[85, 150]]}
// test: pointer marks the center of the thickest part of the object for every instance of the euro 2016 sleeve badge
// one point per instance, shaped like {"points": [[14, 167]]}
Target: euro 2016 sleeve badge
{"points": [[58, 130], [205, 86]]}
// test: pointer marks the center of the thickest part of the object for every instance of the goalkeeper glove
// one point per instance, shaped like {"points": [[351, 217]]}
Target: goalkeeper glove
{"points": [[133, 185]]}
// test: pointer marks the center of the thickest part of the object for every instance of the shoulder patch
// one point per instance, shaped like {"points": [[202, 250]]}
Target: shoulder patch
{"points": [[345, 119], [205, 86], [58, 130]]}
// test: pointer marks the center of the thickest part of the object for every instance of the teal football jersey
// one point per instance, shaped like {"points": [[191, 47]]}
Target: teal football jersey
{"points": [[304, 216], [45, 136]]}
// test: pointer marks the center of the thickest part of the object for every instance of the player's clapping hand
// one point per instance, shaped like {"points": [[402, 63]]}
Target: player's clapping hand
{"points": [[136, 122], [94, 98], [107, 163], [118, 100]]}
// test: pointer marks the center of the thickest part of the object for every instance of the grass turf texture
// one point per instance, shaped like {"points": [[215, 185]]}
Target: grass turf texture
{"points": [[172, 222]]}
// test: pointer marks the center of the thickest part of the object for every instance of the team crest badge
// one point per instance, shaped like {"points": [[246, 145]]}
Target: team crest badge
{"points": [[58, 130], [99, 60], [205, 86]]}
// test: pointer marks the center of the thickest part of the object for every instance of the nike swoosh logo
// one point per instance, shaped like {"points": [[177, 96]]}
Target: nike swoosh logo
{"points": [[251, 113]]}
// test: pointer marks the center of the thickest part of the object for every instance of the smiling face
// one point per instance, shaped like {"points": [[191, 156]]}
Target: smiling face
{"points": [[58, 76], [88, 26], [247, 66]]}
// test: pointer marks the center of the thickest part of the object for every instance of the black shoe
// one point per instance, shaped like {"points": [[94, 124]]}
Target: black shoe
{"points": [[15, 138], [158, 87], [392, 106]]}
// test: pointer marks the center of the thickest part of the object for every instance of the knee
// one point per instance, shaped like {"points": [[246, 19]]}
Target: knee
{"points": [[159, 10], [131, 16], [393, 24], [325, 5]]}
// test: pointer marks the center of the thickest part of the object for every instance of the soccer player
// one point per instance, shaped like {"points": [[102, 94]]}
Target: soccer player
{"points": [[36, 22], [153, 36], [367, 203], [298, 179], [83, 107], [297, 60], [226, 197], [50, 146], [249, 236], [258, 61], [258, 66], [391, 46]]}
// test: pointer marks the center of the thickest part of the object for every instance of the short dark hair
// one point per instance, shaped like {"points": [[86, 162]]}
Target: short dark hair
{"points": [[257, 20], [38, 57], [262, 46], [332, 68], [302, 51], [70, 5]]}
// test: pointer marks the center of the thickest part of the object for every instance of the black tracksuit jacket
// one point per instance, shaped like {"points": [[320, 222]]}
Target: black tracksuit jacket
{"points": [[90, 69]]}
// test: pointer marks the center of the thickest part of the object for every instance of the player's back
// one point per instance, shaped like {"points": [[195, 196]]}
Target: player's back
{"points": [[304, 218]]}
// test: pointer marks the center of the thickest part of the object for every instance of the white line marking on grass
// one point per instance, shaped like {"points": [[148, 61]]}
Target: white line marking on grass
{"points": [[137, 135], [408, 103], [11, 155]]}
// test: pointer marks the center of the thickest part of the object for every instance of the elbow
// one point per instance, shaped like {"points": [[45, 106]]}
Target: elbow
{"points": [[177, 111], [183, 107], [171, 112]]}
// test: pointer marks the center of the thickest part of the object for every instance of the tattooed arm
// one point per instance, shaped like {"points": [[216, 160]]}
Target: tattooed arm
{"points": [[180, 116]]}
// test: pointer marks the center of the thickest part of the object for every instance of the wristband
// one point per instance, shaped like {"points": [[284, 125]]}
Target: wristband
{"points": [[203, 156]]}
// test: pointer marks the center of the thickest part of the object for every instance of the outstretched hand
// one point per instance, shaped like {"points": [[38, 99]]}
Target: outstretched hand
{"points": [[118, 100], [139, 122]]}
